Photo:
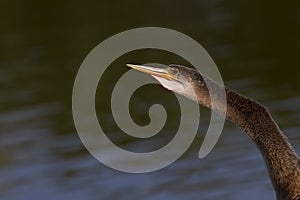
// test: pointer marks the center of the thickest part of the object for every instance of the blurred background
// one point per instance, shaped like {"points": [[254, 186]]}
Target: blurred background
{"points": [[254, 43]]}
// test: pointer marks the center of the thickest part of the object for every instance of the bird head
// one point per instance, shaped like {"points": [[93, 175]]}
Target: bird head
{"points": [[176, 78]]}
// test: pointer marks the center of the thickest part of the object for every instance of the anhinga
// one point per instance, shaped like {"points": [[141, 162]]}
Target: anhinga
{"points": [[282, 162]]}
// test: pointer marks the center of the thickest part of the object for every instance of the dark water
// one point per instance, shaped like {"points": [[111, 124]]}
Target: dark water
{"points": [[255, 45]]}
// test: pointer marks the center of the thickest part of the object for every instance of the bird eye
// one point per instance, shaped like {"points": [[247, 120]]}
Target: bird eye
{"points": [[174, 71]]}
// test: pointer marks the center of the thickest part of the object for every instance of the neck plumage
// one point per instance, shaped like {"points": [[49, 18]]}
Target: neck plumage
{"points": [[281, 160]]}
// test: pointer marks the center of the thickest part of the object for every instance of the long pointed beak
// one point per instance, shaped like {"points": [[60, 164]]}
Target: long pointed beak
{"points": [[154, 71]]}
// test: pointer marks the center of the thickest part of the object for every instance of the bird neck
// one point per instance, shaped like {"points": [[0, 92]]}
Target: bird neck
{"points": [[281, 160]]}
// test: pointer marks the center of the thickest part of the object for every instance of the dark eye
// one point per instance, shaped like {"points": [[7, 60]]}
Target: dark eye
{"points": [[174, 71]]}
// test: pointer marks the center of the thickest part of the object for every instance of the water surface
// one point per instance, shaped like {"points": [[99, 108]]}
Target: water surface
{"points": [[254, 44]]}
